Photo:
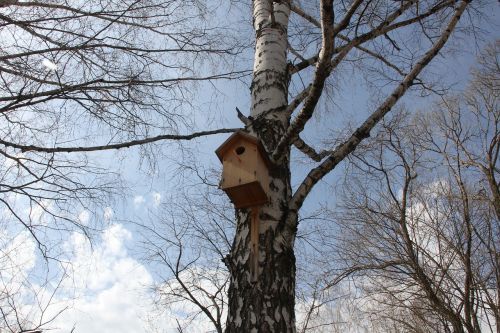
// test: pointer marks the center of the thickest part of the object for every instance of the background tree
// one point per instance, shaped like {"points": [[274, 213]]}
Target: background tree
{"points": [[90, 73], [24, 300], [420, 227], [121, 68], [124, 67], [187, 243]]}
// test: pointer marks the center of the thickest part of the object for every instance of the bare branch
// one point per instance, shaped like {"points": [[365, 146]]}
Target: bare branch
{"points": [[309, 151], [323, 69], [364, 130], [26, 148]]}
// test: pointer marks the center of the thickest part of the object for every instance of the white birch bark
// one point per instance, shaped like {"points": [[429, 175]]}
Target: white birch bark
{"points": [[270, 82], [266, 304]]}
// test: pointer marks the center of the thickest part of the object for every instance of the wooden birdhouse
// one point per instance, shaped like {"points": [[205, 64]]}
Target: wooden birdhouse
{"points": [[245, 165]]}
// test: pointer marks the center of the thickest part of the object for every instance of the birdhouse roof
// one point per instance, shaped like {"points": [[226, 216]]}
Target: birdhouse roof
{"points": [[242, 136]]}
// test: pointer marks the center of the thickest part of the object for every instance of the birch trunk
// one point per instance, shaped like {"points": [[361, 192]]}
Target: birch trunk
{"points": [[265, 302]]}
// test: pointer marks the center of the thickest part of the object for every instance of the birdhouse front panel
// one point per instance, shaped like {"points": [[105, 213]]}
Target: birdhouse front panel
{"points": [[245, 175], [239, 165]]}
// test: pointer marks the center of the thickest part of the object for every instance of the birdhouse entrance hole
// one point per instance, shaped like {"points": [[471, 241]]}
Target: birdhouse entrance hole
{"points": [[240, 150]]}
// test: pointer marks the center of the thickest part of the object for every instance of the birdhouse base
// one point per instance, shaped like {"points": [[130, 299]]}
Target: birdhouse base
{"points": [[246, 195]]}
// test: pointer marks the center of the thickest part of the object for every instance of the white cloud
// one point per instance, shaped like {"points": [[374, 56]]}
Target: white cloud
{"points": [[202, 282], [139, 200], [156, 199], [108, 213], [113, 291], [106, 289], [11, 162], [114, 239], [17, 260], [38, 212], [84, 217], [110, 286], [49, 64], [16, 255]]}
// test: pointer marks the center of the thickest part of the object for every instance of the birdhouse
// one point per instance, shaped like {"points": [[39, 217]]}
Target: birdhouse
{"points": [[245, 165]]}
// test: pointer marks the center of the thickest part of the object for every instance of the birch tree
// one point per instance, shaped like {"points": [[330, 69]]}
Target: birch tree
{"points": [[268, 306], [126, 72]]}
